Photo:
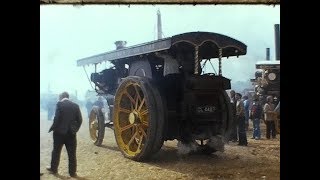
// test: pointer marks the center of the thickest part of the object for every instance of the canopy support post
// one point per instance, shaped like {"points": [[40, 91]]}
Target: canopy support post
{"points": [[220, 57], [196, 60]]}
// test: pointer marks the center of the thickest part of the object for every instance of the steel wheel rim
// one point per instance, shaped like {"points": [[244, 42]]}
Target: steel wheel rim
{"points": [[131, 119]]}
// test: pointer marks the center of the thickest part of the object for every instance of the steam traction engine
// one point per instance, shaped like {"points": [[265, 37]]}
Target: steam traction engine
{"points": [[267, 82], [267, 77], [157, 91]]}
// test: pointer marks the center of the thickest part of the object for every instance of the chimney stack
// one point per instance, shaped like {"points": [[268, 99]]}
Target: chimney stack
{"points": [[277, 40], [120, 44], [268, 54]]}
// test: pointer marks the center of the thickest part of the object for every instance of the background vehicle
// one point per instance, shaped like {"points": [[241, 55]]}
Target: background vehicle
{"points": [[267, 77]]}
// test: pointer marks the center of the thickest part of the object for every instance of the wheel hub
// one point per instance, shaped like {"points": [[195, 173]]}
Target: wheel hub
{"points": [[131, 118], [94, 125], [134, 118]]}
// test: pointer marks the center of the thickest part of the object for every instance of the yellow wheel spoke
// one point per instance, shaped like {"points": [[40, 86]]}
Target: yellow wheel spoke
{"points": [[133, 129], [145, 123], [137, 102], [131, 106], [130, 97], [144, 112], [132, 138], [93, 125], [124, 110], [135, 87], [126, 127], [140, 142], [142, 102], [138, 97], [143, 132]]}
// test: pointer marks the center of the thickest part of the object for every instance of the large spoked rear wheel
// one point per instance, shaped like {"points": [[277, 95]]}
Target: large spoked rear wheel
{"points": [[138, 118], [96, 126]]}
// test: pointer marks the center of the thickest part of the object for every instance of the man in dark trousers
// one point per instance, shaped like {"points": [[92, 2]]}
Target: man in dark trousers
{"points": [[256, 114], [241, 121], [66, 123], [234, 131]]}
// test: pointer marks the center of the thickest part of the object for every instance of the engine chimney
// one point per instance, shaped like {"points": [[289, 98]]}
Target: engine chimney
{"points": [[268, 54], [277, 40], [120, 44]]}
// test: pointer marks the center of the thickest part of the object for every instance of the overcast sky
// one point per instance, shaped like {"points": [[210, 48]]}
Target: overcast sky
{"points": [[68, 33]]}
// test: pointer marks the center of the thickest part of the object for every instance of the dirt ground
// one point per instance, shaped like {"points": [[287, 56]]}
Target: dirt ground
{"points": [[259, 160]]}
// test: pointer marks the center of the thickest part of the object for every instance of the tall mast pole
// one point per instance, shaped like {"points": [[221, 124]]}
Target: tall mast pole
{"points": [[159, 26]]}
